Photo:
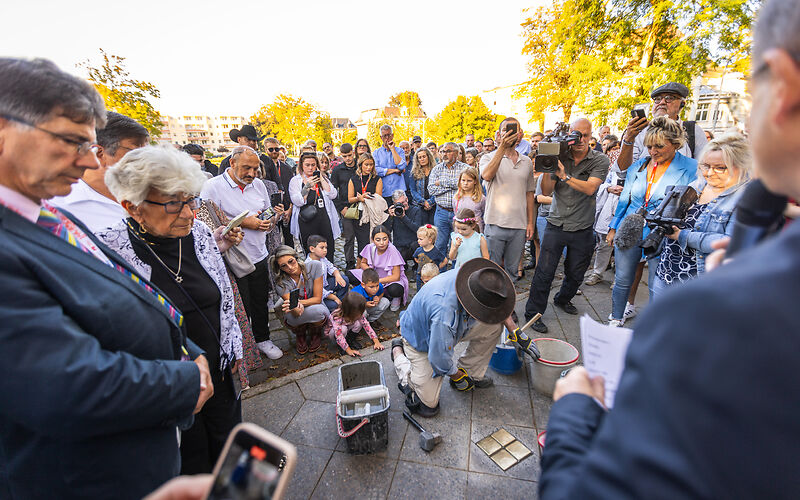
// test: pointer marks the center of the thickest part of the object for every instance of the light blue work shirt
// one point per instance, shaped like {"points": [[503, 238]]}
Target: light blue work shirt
{"points": [[383, 162], [435, 322]]}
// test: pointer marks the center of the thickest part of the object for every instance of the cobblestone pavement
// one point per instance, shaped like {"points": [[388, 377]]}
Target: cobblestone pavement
{"points": [[300, 407]]}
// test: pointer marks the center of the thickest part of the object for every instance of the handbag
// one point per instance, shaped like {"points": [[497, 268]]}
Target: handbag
{"points": [[353, 212], [235, 258], [308, 212]]}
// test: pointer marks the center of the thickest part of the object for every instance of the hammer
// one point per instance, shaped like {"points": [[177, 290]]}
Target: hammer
{"points": [[427, 440]]}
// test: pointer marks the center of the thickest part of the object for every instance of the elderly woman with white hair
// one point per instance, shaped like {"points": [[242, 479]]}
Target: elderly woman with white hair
{"points": [[158, 187], [725, 164]]}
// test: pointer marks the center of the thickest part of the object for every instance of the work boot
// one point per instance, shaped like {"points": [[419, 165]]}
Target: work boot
{"points": [[415, 405], [315, 331], [484, 382]]}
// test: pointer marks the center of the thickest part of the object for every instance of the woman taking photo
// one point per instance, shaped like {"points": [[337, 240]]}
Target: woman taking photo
{"points": [[314, 213], [420, 172], [645, 184], [725, 165], [158, 186], [365, 185], [307, 320]]}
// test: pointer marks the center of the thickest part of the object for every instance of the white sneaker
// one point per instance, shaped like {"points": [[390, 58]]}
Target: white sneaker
{"points": [[616, 323], [271, 350], [395, 304], [630, 311], [593, 279]]}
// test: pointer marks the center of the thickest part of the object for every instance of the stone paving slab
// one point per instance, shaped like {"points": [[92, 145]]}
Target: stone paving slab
{"points": [[301, 408]]}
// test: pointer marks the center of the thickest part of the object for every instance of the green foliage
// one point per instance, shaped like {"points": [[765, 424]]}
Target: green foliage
{"points": [[122, 93], [409, 102], [465, 116], [604, 56], [292, 121]]}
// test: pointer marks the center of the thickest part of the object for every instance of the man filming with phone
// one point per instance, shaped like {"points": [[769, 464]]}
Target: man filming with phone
{"points": [[239, 189], [573, 187], [668, 100]]}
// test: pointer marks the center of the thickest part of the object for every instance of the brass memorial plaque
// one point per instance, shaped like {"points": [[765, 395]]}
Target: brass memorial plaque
{"points": [[489, 445], [503, 459]]}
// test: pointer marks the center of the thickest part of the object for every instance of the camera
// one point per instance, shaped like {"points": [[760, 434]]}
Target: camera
{"points": [[399, 210], [554, 147], [672, 211]]}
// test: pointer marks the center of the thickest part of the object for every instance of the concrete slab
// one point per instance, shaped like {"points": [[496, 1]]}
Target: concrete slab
{"points": [[350, 476], [502, 404], [273, 410], [322, 386], [314, 425], [417, 481], [452, 452], [311, 463], [480, 486]]}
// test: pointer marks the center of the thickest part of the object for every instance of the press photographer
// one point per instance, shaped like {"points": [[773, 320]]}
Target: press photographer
{"points": [[573, 185], [406, 222]]}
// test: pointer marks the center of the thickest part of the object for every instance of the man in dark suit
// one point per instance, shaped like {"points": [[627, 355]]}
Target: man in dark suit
{"points": [[709, 403], [95, 370], [281, 171]]}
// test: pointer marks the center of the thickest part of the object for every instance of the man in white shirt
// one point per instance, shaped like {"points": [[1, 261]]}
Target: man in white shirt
{"points": [[237, 190], [90, 200]]}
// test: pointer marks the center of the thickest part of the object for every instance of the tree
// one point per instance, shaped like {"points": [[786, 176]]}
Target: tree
{"points": [[292, 121], [408, 101], [604, 56], [465, 116], [122, 93]]}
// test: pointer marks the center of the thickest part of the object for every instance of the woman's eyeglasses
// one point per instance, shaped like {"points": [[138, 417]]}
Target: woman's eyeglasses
{"points": [[719, 170], [176, 207]]}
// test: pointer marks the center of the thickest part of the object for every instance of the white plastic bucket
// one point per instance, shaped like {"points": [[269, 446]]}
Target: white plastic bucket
{"points": [[557, 356]]}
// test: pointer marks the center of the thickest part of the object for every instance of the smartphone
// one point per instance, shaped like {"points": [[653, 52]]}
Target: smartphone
{"points": [[266, 214], [276, 199], [511, 127], [621, 182], [235, 222], [294, 298], [637, 113], [254, 464]]}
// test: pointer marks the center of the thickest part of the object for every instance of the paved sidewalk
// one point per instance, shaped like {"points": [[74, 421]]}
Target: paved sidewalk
{"points": [[301, 408]]}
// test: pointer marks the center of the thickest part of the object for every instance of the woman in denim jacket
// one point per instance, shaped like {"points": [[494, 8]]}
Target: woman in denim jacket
{"points": [[725, 165], [646, 182], [423, 164]]}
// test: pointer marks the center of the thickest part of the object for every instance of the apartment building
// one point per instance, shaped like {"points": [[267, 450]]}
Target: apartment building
{"points": [[211, 132]]}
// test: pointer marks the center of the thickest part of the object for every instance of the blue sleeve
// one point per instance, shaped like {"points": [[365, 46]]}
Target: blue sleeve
{"points": [[440, 349], [702, 240], [416, 196]]}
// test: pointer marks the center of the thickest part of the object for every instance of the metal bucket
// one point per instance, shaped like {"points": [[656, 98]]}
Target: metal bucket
{"points": [[557, 356]]}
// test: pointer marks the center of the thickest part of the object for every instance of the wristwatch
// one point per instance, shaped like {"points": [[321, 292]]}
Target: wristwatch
{"points": [[566, 179]]}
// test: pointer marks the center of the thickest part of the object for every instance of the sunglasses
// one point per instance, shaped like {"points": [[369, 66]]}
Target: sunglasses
{"points": [[272, 150]]}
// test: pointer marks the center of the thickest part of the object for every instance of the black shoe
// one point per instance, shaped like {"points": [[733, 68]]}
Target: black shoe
{"points": [[405, 389], [353, 342], [484, 383], [539, 326], [414, 405], [520, 275], [567, 307]]}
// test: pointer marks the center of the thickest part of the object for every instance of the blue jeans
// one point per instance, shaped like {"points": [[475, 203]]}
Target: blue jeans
{"points": [[541, 223], [626, 262], [443, 220], [659, 287]]}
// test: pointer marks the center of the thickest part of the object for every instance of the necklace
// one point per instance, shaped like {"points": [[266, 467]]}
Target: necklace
{"points": [[176, 275]]}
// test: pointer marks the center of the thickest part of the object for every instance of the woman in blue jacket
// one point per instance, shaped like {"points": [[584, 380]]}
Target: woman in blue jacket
{"points": [[420, 197], [725, 165], [645, 184]]}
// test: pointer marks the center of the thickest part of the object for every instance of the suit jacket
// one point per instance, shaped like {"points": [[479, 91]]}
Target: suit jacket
{"points": [[90, 379], [708, 405]]}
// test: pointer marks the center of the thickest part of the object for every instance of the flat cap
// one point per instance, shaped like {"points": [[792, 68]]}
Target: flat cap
{"points": [[671, 88]]}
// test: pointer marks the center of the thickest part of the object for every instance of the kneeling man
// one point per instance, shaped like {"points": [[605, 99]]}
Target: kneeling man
{"points": [[469, 304]]}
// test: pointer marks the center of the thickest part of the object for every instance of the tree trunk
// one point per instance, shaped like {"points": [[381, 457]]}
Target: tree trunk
{"points": [[653, 32]]}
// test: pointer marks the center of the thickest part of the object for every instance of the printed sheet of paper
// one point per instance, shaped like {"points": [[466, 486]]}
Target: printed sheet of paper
{"points": [[604, 349]]}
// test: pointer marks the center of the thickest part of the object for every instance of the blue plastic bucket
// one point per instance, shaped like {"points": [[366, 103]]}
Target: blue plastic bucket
{"points": [[505, 360]]}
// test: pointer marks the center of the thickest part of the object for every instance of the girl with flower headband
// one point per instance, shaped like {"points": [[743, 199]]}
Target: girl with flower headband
{"points": [[427, 251], [470, 194], [466, 243]]}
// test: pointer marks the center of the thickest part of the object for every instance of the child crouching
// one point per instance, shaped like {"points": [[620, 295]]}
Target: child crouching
{"points": [[372, 289], [346, 322]]}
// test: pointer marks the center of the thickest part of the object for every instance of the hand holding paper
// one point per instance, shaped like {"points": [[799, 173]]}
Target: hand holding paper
{"points": [[604, 349]]}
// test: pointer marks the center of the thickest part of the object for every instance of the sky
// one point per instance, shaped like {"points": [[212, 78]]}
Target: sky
{"points": [[216, 58]]}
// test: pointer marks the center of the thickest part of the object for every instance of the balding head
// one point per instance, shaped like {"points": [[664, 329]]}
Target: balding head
{"points": [[583, 126], [245, 164]]}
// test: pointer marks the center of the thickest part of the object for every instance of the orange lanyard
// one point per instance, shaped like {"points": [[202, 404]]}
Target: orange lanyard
{"points": [[363, 185], [650, 181]]}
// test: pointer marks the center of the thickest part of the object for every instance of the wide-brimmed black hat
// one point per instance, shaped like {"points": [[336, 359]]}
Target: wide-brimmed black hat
{"points": [[671, 88], [248, 131], [485, 291]]}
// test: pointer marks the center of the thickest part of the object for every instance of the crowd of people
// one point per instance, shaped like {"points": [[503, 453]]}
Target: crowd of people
{"points": [[125, 355]]}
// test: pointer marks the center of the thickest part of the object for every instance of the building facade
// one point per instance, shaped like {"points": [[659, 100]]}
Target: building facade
{"points": [[211, 132]]}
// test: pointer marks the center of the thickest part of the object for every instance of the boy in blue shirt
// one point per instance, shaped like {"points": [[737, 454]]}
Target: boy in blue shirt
{"points": [[372, 290]]}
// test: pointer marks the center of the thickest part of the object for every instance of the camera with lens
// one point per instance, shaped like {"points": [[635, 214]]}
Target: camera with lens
{"points": [[399, 210], [554, 147], [672, 212]]}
